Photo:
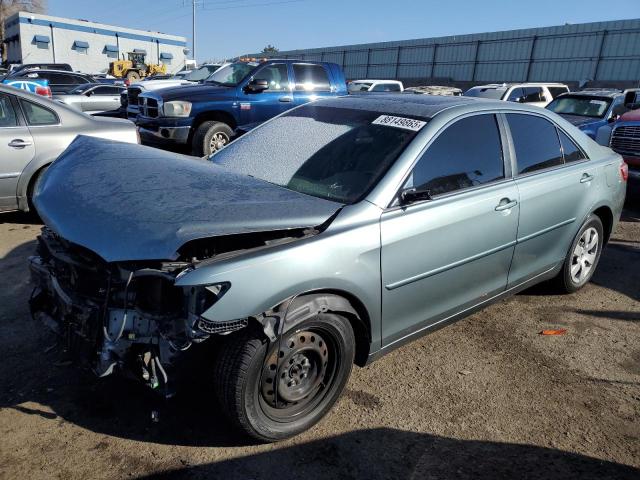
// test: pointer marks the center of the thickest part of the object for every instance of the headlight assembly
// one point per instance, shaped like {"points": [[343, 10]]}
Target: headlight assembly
{"points": [[177, 108]]}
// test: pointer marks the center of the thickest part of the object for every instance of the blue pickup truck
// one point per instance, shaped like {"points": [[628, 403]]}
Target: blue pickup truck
{"points": [[205, 116]]}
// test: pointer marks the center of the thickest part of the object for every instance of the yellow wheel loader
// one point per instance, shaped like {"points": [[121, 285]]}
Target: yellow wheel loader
{"points": [[135, 67]]}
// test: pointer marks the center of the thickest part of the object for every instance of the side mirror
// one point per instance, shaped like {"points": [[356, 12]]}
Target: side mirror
{"points": [[411, 195], [89, 93], [257, 86]]}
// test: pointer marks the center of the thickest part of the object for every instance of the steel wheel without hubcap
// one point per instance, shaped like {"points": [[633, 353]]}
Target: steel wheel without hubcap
{"points": [[296, 376], [584, 255], [218, 141]]}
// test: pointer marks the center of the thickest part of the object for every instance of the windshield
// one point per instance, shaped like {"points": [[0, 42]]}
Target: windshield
{"points": [[232, 74], [333, 153], [484, 92], [358, 87], [586, 106], [199, 74]]}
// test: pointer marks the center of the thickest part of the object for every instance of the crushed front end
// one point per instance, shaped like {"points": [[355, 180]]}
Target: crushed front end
{"points": [[125, 316]]}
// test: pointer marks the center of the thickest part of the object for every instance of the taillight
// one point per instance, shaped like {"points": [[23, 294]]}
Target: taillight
{"points": [[127, 82], [44, 91], [624, 171]]}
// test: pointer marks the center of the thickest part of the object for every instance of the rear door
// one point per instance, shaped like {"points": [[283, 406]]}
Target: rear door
{"points": [[312, 82], [444, 255], [257, 107], [555, 190], [16, 150]]}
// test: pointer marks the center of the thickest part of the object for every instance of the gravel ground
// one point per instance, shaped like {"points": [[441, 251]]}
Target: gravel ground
{"points": [[487, 397]]}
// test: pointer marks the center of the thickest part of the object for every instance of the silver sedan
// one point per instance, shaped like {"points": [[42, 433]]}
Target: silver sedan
{"points": [[33, 132], [93, 97]]}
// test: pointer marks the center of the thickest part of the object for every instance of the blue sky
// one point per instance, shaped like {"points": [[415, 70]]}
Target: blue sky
{"points": [[227, 28]]}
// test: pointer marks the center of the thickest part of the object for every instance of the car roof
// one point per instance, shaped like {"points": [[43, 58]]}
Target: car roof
{"points": [[521, 84], [50, 70], [425, 106], [372, 81], [595, 93]]}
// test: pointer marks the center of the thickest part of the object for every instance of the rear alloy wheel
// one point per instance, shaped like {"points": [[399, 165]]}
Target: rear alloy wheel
{"points": [[275, 391], [210, 137], [583, 256]]}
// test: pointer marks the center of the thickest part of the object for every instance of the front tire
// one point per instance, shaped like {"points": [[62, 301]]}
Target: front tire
{"points": [[210, 137], [583, 256], [275, 391]]}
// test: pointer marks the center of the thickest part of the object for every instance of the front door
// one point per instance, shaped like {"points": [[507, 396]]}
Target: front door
{"points": [[16, 151], [257, 107], [444, 255], [101, 99]]}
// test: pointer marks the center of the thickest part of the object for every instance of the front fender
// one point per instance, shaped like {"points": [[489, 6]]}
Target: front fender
{"points": [[339, 259]]}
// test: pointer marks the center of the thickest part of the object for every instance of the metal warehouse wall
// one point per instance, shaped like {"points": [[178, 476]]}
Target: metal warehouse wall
{"points": [[22, 29], [602, 52]]}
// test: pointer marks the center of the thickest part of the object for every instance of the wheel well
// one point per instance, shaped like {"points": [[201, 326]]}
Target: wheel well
{"points": [[339, 302], [217, 116], [606, 217], [32, 182]]}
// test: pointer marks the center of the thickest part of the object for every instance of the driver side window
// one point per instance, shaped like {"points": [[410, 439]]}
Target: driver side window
{"points": [[276, 76], [468, 153]]}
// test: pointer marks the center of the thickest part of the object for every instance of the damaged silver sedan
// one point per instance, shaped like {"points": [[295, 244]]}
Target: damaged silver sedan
{"points": [[325, 237]]}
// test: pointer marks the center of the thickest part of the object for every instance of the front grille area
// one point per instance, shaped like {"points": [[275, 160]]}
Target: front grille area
{"points": [[626, 139], [132, 95], [148, 107]]}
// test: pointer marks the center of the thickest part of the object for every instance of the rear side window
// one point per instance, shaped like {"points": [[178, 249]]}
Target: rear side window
{"points": [[515, 95], [311, 78], [555, 91], [37, 115], [8, 116], [468, 153], [386, 87], [533, 94], [570, 150], [536, 142]]}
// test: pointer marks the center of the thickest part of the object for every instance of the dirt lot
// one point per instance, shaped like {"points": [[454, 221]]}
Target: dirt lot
{"points": [[485, 398]]}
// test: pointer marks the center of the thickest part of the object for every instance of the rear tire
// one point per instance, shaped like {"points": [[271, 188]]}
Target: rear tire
{"points": [[275, 391], [210, 137], [583, 256]]}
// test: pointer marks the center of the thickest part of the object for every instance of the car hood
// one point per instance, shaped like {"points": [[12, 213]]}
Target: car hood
{"points": [[579, 120], [188, 92], [632, 116], [150, 85], [130, 202]]}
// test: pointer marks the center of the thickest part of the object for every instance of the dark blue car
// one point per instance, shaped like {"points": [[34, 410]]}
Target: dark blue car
{"points": [[592, 111], [205, 116]]}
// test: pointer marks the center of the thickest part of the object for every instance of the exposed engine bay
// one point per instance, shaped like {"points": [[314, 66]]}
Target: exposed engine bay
{"points": [[130, 316]]}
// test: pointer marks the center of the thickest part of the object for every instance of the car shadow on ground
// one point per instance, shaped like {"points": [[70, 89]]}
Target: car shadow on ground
{"points": [[395, 454]]}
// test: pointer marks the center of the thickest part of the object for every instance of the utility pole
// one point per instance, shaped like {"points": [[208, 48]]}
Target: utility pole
{"points": [[193, 27]]}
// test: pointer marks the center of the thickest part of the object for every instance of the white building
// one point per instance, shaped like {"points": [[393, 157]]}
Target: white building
{"points": [[86, 46]]}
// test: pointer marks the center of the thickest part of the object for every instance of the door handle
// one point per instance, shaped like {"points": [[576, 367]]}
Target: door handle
{"points": [[286, 99], [506, 204], [586, 178], [19, 143]]}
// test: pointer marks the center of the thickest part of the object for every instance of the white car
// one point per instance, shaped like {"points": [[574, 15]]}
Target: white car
{"points": [[190, 78], [357, 86], [539, 94]]}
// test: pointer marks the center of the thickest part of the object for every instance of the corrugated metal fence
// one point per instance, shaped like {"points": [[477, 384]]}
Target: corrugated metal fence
{"points": [[602, 52]]}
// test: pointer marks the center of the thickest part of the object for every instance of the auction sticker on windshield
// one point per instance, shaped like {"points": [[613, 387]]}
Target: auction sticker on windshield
{"points": [[399, 122]]}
